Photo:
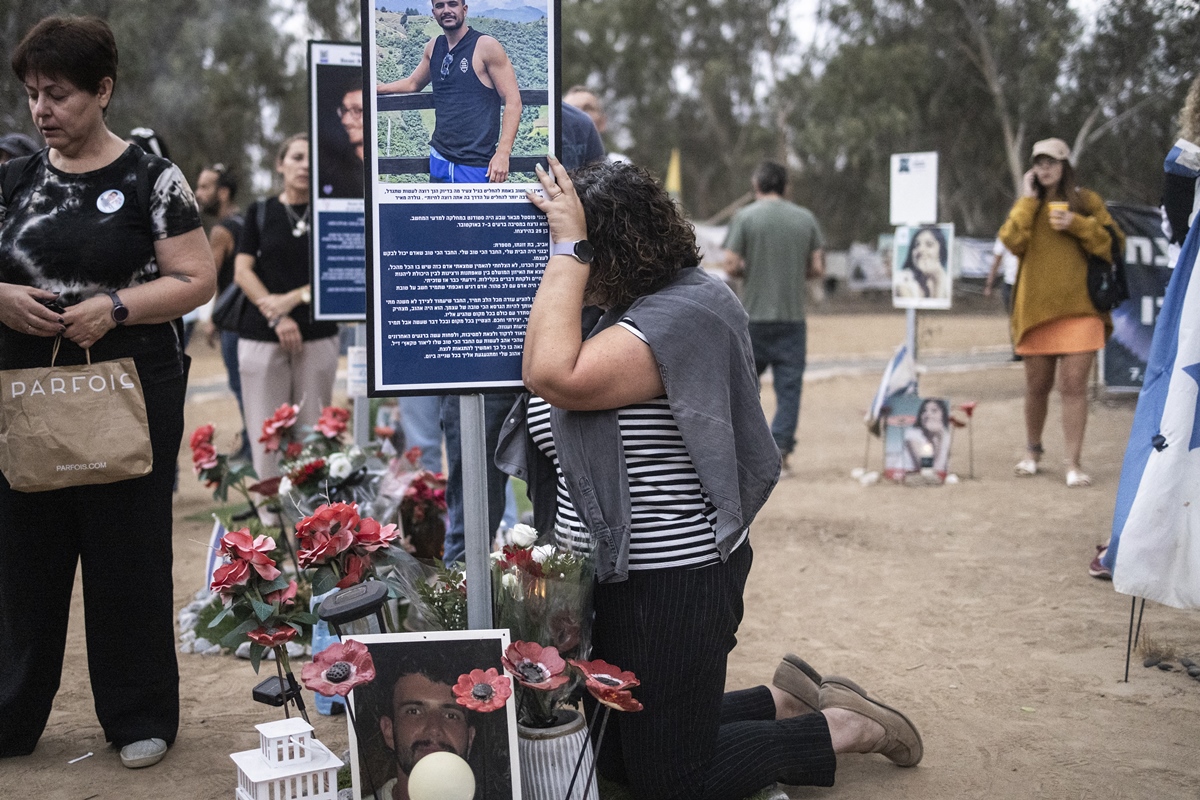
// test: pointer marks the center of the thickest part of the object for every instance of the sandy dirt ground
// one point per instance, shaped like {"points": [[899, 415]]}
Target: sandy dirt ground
{"points": [[967, 606]]}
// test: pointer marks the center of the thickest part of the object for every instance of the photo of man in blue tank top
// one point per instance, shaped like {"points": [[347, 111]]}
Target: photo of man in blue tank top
{"points": [[472, 78]]}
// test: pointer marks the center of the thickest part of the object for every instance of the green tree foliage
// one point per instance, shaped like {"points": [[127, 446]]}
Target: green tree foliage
{"points": [[976, 80], [217, 79]]}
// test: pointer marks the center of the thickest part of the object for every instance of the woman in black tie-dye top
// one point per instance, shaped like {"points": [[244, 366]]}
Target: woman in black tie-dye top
{"points": [[101, 245]]}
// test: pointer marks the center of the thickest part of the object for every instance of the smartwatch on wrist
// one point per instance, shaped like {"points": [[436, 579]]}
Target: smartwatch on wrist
{"points": [[119, 312], [580, 250]]}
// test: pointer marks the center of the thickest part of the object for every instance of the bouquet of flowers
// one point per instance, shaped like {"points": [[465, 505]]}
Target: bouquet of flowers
{"points": [[254, 591], [343, 547], [543, 593], [325, 465]]}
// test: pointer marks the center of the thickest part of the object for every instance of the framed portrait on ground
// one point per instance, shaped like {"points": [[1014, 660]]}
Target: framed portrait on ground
{"points": [[918, 438], [922, 266], [409, 711]]}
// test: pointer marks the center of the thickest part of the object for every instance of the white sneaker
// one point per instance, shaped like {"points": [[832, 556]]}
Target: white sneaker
{"points": [[144, 753]]}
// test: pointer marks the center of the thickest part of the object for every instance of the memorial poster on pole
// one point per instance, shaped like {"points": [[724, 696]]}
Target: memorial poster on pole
{"points": [[922, 266], [453, 257], [338, 270]]}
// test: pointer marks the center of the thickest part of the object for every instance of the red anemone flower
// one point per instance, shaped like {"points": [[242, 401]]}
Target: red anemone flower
{"points": [[355, 567], [372, 536], [608, 684], [271, 636], [969, 408], [272, 429], [227, 576], [203, 435], [285, 596], [240, 545], [204, 456], [339, 669], [332, 421], [535, 666], [482, 691]]}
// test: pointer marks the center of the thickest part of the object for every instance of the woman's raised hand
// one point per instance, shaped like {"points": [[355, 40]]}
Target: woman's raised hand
{"points": [[559, 202]]}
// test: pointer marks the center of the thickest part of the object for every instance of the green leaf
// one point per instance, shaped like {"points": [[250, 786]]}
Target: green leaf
{"points": [[256, 654], [304, 618], [238, 634], [262, 610], [279, 583], [217, 619], [324, 580]]}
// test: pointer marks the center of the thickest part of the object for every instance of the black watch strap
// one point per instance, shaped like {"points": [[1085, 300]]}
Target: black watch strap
{"points": [[119, 312]]}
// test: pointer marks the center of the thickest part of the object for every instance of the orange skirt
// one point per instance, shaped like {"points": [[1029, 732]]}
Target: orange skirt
{"points": [[1063, 336]]}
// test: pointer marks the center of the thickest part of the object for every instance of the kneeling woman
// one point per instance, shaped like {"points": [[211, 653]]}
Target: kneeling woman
{"points": [[645, 441]]}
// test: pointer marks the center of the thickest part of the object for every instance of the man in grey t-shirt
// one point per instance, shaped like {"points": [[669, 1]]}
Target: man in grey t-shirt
{"points": [[776, 246]]}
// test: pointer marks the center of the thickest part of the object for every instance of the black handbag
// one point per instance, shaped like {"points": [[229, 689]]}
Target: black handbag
{"points": [[1106, 282], [229, 308]]}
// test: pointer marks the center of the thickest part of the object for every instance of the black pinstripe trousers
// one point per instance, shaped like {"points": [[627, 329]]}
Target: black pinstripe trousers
{"points": [[674, 629]]}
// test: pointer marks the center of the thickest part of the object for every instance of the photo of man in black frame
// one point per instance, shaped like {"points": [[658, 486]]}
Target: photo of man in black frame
{"points": [[409, 711], [340, 135]]}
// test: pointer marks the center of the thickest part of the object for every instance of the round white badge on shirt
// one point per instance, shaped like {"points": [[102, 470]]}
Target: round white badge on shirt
{"points": [[110, 201], [462, 66]]}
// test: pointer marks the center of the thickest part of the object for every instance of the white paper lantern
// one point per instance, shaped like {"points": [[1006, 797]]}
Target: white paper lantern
{"points": [[441, 776]]}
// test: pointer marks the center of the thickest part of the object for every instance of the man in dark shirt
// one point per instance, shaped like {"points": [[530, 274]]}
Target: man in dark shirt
{"points": [[472, 78]]}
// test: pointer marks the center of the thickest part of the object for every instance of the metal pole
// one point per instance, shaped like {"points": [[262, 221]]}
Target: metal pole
{"points": [[362, 405], [910, 337], [477, 538]]}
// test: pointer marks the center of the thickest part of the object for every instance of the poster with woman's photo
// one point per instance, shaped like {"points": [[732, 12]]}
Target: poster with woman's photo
{"points": [[409, 711], [922, 266], [918, 440]]}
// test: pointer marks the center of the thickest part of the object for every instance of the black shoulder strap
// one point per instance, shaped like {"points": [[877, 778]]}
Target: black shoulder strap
{"points": [[260, 217]]}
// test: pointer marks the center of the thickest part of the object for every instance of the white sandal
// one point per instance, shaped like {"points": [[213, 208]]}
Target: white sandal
{"points": [[1029, 464], [1026, 467], [1077, 479]]}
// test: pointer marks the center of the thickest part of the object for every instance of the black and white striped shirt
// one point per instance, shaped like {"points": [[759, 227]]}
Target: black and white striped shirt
{"points": [[672, 520]]}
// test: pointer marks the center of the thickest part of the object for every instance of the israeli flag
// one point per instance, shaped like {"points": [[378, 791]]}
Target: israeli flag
{"points": [[213, 561], [899, 376], [1155, 547]]}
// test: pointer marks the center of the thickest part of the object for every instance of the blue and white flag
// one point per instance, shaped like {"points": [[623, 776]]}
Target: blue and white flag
{"points": [[899, 377], [1155, 547], [213, 561]]}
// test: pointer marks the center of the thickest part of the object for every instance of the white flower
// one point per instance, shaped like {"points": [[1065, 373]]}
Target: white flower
{"points": [[510, 582], [542, 552], [285, 486], [522, 535], [340, 466], [496, 556]]}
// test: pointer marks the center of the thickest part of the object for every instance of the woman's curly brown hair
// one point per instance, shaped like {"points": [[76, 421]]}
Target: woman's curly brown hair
{"points": [[639, 236]]}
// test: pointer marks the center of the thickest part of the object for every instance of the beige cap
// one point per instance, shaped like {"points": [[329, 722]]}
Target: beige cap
{"points": [[1055, 148]]}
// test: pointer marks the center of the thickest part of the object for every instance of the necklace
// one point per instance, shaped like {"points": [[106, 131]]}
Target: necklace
{"points": [[299, 224]]}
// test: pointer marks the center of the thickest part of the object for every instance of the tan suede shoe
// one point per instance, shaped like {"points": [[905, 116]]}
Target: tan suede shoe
{"points": [[901, 742], [797, 678]]}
